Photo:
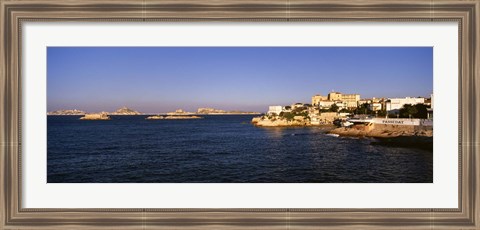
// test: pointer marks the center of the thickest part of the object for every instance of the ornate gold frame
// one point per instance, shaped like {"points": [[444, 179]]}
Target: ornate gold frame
{"points": [[14, 12]]}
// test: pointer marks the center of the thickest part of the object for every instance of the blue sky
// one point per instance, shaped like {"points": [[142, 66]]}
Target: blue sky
{"points": [[162, 79]]}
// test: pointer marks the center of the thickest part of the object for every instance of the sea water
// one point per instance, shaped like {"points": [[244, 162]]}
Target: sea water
{"points": [[220, 149]]}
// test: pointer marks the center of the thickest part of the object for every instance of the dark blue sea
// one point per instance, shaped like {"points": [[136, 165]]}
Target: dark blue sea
{"points": [[220, 149]]}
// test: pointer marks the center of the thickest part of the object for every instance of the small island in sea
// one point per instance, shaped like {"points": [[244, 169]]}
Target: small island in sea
{"points": [[177, 114], [121, 111], [173, 117], [95, 116], [211, 111], [125, 111], [67, 112]]}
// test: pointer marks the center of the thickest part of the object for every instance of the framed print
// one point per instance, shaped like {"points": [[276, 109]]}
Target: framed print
{"points": [[234, 114]]}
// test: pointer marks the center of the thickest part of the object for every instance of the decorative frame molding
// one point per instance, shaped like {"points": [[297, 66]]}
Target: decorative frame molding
{"points": [[15, 12]]}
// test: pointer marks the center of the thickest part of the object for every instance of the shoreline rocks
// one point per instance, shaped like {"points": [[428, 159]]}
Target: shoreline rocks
{"points": [[182, 117], [383, 131], [404, 136], [419, 142], [155, 117]]}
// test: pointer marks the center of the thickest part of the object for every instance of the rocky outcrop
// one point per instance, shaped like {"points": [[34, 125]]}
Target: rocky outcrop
{"points": [[155, 117], [125, 111], [95, 116], [182, 117], [280, 122]]}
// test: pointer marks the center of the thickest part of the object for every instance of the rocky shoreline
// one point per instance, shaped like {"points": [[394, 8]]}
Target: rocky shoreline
{"points": [[391, 135], [419, 142], [404, 136], [383, 131]]}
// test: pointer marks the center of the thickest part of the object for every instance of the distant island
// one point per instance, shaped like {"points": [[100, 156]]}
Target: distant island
{"points": [[121, 111], [173, 117], [95, 116], [211, 111], [179, 112], [67, 112], [125, 111]]}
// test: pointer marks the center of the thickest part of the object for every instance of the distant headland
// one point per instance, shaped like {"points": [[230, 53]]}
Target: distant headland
{"points": [[127, 111]]}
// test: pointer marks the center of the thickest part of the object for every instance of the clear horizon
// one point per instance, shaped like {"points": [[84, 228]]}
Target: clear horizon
{"points": [[163, 79]]}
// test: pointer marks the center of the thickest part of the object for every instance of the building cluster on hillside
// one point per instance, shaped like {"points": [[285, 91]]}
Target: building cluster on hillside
{"points": [[336, 105]]}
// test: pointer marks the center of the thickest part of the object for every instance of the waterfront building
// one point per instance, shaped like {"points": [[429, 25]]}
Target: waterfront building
{"points": [[341, 105], [348, 100], [275, 109], [335, 96], [363, 101], [351, 100], [317, 98], [325, 104], [393, 105]]}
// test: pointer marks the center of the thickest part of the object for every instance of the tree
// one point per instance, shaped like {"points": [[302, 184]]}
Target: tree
{"points": [[287, 115], [408, 111], [421, 111], [415, 111], [363, 109], [299, 110], [333, 108], [344, 110], [382, 113]]}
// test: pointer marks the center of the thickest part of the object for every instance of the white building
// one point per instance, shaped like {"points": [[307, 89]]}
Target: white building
{"points": [[297, 105], [275, 109], [375, 106], [342, 105], [395, 104], [325, 104]]}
